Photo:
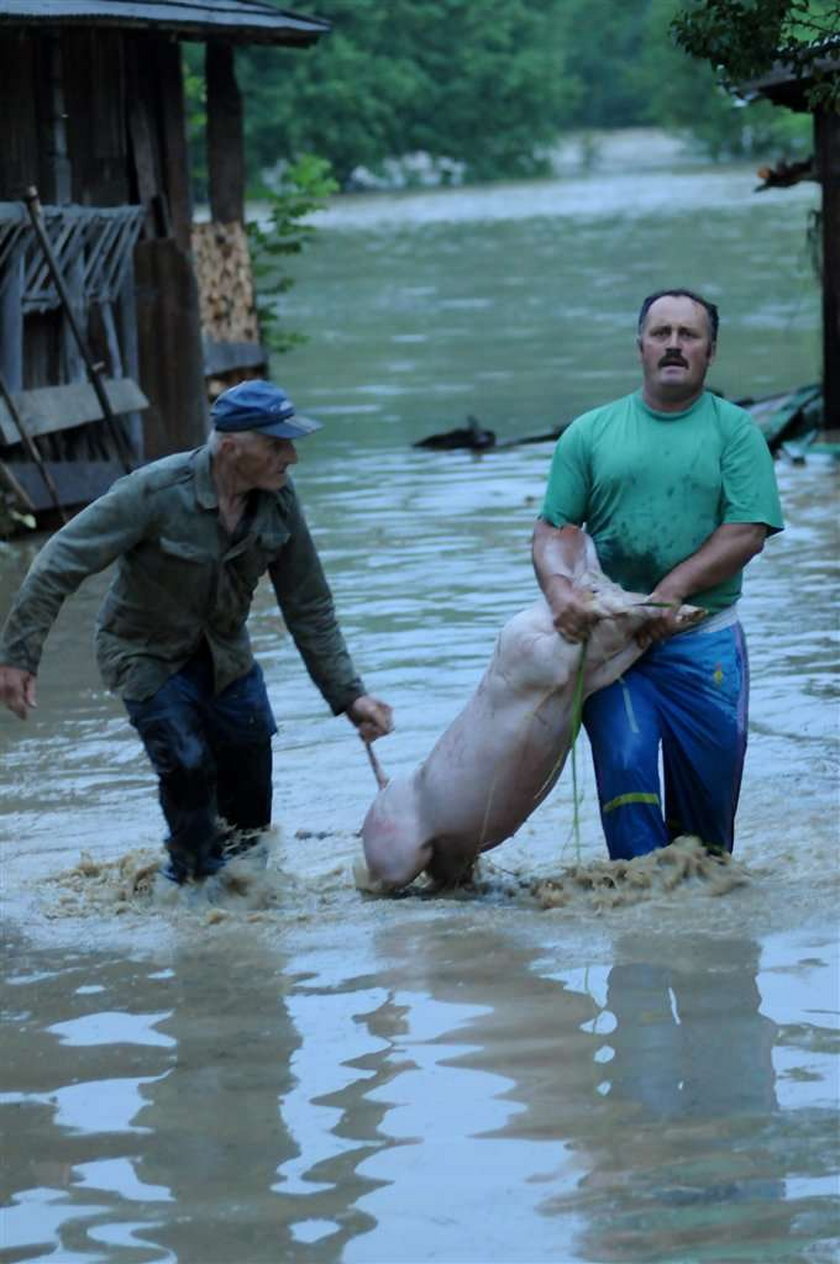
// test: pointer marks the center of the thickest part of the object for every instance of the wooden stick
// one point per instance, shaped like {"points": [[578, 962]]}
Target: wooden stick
{"points": [[29, 444], [7, 477], [33, 206], [381, 779]]}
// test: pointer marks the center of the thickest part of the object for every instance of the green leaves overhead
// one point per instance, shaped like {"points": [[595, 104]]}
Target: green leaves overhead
{"points": [[743, 38]]}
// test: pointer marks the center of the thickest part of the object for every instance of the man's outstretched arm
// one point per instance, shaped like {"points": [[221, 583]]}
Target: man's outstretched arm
{"points": [[87, 544]]}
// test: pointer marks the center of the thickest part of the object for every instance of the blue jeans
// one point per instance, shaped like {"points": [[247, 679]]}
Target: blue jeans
{"points": [[689, 695], [212, 756]]}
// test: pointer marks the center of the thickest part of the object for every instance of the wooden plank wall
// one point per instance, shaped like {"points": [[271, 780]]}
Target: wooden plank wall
{"points": [[26, 152], [124, 121], [94, 94], [171, 369]]}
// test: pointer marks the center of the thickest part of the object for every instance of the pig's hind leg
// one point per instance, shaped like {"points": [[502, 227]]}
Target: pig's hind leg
{"points": [[452, 862]]}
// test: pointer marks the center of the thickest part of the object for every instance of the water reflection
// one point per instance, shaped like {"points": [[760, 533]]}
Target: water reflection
{"points": [[486, 1079], [624, 1113], [462, 1099], [162, 1129], [683, 1170], [689, 1039], [72, 1094]]}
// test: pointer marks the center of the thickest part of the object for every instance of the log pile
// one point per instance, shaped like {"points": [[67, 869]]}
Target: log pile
{"points": [[225, 282]]}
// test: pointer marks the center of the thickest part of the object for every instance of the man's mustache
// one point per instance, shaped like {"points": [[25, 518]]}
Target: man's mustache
{"points": [[673, 357]]}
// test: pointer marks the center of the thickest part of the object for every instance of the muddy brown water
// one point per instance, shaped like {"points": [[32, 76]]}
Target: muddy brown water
{"points": [[299, 1072]]}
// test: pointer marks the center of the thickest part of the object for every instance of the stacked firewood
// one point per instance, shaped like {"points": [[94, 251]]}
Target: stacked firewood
{"points": [[225, 281]]}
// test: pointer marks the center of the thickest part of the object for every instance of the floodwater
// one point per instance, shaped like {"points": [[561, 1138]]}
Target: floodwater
{"points": [[314, 1075]]}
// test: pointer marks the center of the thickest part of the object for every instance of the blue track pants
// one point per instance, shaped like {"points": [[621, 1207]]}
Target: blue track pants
{"points": [[689, 696]]}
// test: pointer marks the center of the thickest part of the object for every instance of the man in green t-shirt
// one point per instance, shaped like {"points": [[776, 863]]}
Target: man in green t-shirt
{"points": [[676, 488]]}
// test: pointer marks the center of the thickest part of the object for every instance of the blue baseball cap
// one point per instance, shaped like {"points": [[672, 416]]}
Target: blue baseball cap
{"points": [[261, 406]]}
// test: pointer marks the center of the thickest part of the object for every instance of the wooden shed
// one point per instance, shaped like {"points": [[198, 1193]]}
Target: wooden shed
{"points": [[102, 354], [786, 86]]}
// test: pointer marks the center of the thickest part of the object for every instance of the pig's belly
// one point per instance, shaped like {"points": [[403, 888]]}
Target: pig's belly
{"points": [[493, 766]]}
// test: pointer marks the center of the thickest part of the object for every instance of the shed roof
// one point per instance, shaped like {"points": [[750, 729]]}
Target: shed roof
{"points": [[239, 21], [788, 85]]}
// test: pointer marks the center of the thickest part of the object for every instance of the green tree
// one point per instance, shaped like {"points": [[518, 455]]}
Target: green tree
{"points": [[195, 101], [285, 230], [742, 38], [483, 82], [685, 95], [604, 43]]}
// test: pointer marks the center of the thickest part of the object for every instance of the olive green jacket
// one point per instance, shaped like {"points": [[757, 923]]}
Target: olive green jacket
{"points": [[180, 578]]}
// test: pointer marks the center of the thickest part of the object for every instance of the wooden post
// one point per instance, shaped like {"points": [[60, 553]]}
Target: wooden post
{"points": [[225, 136], [169, 347], [175, 159], [827, 148]]}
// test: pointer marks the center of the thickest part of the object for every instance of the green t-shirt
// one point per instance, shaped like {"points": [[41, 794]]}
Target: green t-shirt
{"points": [[650, 487]]}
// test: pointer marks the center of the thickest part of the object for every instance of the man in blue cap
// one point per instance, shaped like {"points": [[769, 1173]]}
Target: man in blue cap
{"points": [[192, 534]]}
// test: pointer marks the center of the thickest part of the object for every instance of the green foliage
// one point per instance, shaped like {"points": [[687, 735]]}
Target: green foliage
{"points": [[195, 104], [603, 43], [305, 188], [478, 81], [685, 95], [743, 38], [493, 84]]}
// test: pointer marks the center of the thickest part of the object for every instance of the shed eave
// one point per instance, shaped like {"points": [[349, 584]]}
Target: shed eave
{"points": [[782, 85], [238, 21]]}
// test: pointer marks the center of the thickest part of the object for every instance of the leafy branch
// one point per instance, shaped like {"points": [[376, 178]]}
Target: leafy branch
{"points": [[285, 231], [743, 38]]}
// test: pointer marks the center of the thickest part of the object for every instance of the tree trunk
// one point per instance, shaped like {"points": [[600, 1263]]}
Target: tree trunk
{"points": [[827, 146]]}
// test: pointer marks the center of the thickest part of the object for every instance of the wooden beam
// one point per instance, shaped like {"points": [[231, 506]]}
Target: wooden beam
{"points": [[227, 357], [827, 147], [225, 135], [51, 408]]}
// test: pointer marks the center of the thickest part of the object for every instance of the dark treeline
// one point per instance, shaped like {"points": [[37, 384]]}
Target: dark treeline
{"points": [[490, 85]]}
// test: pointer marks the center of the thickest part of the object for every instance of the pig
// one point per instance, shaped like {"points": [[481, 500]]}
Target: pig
{"points": [[502, 754]]}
